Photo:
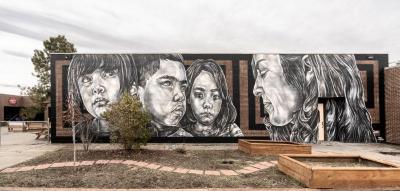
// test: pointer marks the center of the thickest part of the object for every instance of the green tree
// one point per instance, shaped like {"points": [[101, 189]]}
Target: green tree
{"points": [[128, 122], [40, 93]]}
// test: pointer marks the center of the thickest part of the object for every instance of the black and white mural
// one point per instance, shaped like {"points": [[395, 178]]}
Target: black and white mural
{"points": [[210, 111], [182, 103], [290, 86], [96, 81], [193, 97]]}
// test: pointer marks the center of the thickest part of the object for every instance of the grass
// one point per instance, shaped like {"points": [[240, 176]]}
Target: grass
{"points": [[123, 176]]}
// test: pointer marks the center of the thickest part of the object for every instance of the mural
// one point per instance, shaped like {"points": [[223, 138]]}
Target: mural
{"points": [[290, 86], [193, 97], [160, 81], [210, 111], [161, 86], [96, 81]]}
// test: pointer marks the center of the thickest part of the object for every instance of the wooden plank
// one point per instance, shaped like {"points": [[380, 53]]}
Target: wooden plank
{"points": [[339, 177], [294, 169], [272, 148], [350, 178]]}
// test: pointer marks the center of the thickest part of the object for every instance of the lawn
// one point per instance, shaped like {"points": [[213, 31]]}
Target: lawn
{"points": [[126, 176]]}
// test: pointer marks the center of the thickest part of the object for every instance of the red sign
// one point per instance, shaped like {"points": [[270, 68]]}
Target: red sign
{"points": [[12, 100]]}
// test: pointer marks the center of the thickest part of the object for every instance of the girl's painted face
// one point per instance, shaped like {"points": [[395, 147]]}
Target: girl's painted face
{"points": [[99, 89], [280, 100], [205, 99]]}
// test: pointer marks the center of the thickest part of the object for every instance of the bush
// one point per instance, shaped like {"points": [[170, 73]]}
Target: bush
{"points": [[128, 122]]}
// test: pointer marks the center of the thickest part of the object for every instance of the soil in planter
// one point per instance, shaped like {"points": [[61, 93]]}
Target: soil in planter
{"points": [[341, 162]]}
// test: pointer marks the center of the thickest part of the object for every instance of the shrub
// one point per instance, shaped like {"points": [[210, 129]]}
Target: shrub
{"points": [[128, 122]]}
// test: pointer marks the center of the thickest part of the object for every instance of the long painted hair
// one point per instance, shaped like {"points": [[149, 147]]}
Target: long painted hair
{"points": [[303, 126], [338, 76], [327, 76], [227, 114], [82, 64]]}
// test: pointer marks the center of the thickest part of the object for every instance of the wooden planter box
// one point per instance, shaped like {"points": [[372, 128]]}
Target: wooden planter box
{"points": [[264, 147], [339, 171]]}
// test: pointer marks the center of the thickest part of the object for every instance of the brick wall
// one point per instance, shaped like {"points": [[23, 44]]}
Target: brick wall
{"points": [[392, 104]]}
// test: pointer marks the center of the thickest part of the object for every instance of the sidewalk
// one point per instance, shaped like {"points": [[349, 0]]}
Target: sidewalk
{"points": [[372, 150], [17, 147]]}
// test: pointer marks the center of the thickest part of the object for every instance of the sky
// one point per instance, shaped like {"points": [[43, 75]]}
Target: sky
{"points": [[194, 26]]}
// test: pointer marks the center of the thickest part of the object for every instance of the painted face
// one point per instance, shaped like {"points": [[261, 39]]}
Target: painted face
{"points": [[279, 98], [98, 90], [164, 94], [205, 99]]}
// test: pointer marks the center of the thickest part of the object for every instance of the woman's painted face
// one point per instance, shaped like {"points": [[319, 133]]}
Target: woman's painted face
{"points": [[205, 99], [279, 98], [98, 90]]}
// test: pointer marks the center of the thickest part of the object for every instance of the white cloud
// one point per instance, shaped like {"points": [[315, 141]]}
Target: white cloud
{"points": [[196, 26]]}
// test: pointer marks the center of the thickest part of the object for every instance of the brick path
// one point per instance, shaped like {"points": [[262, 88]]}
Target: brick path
{"points": [[153, 166]]}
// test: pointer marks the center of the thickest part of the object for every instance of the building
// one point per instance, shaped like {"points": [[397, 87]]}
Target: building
{"points": [[11, 105], [284, 97]]}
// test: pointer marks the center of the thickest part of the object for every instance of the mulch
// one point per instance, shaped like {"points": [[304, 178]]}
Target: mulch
{"points": [[121, 176]]}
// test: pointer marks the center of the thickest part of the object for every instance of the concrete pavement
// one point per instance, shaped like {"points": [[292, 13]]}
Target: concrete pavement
{"points": [[17, 147], [372, 150]]}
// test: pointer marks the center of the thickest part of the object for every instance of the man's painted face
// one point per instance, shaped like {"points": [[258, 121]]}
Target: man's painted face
{"points": [[164, 94], [98, 90], [205, 99], [279, 98]]}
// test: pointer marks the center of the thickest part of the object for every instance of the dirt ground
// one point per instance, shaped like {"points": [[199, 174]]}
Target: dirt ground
{"points": [[122, 176]]}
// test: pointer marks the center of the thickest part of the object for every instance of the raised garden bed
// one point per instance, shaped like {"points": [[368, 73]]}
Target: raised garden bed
{"points": [[265, 147], [339, 171]]}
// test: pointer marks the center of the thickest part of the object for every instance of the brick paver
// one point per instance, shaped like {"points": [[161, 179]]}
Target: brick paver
{"points": [[229, 172], [153, 166], [57, 165], [42, 166], [25, 168], [167, 168], [181, 170], [244, 171], [194, 171], [10, 169], [252, 169], [212, 172], [141, 164], [116, 161], [66, 164], [102, 161], [260, 166], [130, 162], [266, 163], [86, 163]]}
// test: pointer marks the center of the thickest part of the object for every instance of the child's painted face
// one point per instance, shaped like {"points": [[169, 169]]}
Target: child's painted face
{"points": [[205, 99], [164, 93], [98, 90]]}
